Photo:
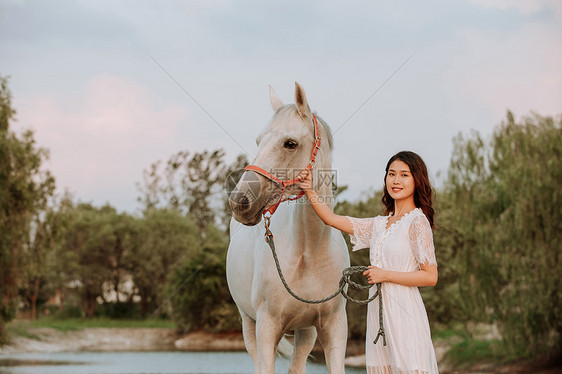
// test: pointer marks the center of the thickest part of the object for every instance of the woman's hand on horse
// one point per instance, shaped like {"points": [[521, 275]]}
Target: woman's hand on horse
{"points": [[375, 275], [319, 205], [305, 180]]}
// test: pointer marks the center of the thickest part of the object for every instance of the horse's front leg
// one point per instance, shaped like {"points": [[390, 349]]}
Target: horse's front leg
{"points": [[304, 342], [332, 333], [268, 334], [249, 333]]}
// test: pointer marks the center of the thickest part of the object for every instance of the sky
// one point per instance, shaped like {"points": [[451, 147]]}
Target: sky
{"points": [[110, 87]]}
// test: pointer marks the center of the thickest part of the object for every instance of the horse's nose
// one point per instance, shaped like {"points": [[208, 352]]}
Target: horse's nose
{"points": [[240, 202], [244, 202]]}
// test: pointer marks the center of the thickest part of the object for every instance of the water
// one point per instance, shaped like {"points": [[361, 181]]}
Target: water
{"points": [[149, 363]]}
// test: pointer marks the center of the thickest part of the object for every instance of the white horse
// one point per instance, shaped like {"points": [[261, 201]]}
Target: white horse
{"points": [[312, 254]]}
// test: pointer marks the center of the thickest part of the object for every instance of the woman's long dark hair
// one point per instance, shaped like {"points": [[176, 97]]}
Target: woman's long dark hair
{"points": [[422, 189]]}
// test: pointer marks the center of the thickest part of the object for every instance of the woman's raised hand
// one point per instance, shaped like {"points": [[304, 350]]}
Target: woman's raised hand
{"points": [[320, 204], [305, 180]]}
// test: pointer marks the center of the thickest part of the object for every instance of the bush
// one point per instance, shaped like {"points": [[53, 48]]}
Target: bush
{"points": [[200, 297], [128, 310], [70, 312], [3, 333]]}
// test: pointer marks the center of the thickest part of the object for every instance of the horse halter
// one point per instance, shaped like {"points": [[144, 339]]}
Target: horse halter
{"points": [[286, 183]]}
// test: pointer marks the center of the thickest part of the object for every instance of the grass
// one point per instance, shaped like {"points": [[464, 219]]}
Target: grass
{"points": [[21, 327], [17, 329], [10, 362], [454, 331], [466, 350], [470, 351]]}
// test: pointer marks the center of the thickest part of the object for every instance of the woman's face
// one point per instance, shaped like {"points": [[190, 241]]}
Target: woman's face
{"points": [[399, 181]]}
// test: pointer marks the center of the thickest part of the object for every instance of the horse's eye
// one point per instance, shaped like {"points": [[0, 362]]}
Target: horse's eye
{"points": [[290, 144]]}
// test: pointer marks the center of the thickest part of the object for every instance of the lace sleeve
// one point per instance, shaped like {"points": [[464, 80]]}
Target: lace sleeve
{"points": [[362, 232], [421, 240]]}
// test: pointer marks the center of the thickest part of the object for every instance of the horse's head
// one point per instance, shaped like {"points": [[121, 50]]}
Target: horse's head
{"points": [[284, 149]]}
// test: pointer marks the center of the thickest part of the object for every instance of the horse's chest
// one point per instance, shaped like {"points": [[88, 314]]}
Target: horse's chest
{"points": [[306, 277]]}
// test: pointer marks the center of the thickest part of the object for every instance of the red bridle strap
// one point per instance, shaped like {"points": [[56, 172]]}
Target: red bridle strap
{"points": [[286, 183]]}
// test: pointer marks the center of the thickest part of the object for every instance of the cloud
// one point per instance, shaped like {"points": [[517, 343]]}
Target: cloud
{"points": [[525, 7], [102, 138], [60, 22], [519, 71], [472, 61]]}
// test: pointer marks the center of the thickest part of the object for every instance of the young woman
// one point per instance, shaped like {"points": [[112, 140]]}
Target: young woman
{"points": [[402, 257]]}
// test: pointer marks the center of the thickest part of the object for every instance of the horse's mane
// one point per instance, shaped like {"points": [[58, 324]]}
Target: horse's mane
{"points": [[291, 109]]}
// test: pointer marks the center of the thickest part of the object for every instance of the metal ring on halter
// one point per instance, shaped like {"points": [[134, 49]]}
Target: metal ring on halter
{"points": [[312, 164], [267, 219]]}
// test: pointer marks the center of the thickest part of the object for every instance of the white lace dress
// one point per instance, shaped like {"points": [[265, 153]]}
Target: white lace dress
{"points": [[401, 247]]}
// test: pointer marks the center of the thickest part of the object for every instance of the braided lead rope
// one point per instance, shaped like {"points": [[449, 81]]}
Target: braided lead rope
{"points": [[345, 279]]}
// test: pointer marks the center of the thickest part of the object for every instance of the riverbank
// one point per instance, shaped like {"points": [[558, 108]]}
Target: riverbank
{"points": [[100, 339], [129, 339], [62, 335]]}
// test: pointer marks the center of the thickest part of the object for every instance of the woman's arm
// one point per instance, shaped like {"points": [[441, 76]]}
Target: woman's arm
{"points": [[426, 276], [322, 210]]}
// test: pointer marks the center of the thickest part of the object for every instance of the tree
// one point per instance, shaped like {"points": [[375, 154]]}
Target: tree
{"points": [[184, 199], [191, 185], [60, 261], [38, 259], [199, 296], [507, 228], [97, 243], [165, 238], [24, 190]]}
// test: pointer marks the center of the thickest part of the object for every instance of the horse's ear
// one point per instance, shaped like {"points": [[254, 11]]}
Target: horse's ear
{"points": [[276, 102], [300, 100]]}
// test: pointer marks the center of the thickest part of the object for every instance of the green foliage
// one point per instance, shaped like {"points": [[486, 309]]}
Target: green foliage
{"points": [[40, 278], [118, 310], [469, 351], [69, 312], [3, 333], [190, 184], [21, 327], [444, 302], [165, 238], [25, 188], [199, 294], [181, 198], [96, 244], [505, 228]]}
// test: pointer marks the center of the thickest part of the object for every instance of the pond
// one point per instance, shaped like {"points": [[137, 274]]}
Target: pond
{"points": [[143, 362]]}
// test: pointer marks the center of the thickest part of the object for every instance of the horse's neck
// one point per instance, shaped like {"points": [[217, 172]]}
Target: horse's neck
{"points": [[308, 229]]}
